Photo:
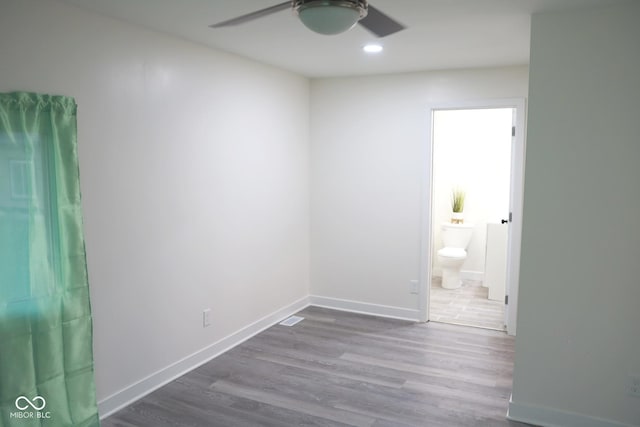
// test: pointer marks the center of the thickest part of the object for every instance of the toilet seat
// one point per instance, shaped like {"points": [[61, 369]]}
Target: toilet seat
{"points": [[454, 253]]}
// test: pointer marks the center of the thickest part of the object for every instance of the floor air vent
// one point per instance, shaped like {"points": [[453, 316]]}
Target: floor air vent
{"points": [[291, 321]]}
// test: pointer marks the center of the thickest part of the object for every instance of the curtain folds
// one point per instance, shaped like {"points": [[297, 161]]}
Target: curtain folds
{"points": [[46, 356]]}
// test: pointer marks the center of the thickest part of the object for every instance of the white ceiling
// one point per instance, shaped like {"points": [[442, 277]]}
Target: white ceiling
{"points": [[441, 34]]}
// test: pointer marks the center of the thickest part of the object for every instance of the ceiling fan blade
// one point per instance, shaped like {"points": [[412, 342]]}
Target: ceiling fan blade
{"points": [[380, 24], [253, 15]]}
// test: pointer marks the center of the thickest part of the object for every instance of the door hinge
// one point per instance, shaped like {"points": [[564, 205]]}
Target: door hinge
{"points": [[510, 216], [506, 300], [513, 131]]}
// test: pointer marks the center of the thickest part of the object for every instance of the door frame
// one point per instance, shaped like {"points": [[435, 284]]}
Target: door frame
{"points": [[516, 204]]}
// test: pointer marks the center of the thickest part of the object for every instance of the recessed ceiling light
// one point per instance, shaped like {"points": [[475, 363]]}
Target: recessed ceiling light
{"points": [[372, 48]]}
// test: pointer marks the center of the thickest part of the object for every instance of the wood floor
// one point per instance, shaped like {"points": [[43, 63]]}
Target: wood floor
{"points": [[468, 305], [342, 369]]}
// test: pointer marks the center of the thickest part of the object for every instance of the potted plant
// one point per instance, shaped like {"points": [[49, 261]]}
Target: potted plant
{"points": [[457, 206]]}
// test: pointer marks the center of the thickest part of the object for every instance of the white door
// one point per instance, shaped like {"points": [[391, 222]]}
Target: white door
{"points": [[514, 227]]}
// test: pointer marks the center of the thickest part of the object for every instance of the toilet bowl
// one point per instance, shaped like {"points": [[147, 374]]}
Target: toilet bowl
{"points": [[451, 260], [456, 238]]}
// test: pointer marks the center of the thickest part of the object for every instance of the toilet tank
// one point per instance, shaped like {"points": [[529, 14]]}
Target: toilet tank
{"points": [[456, 235]]}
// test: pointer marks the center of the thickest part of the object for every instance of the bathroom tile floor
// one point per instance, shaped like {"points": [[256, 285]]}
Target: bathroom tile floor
{"points": [[467, 305]]}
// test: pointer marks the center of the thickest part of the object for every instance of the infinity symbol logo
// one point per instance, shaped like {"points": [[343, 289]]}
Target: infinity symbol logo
{"points": [[33, 403]]}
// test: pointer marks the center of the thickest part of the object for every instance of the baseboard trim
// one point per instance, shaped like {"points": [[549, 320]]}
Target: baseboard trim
{"points": [[464, 275], [550, 417], [130, 394], [472, 275], [365, 308]]}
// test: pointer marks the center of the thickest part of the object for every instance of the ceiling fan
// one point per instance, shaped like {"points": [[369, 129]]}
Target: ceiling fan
{"points": [[328, 16]]}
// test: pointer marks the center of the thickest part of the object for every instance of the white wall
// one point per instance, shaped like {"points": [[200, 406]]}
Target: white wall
{"points": [[471, 151], [194, 174], [578, 318], [369, 147]]}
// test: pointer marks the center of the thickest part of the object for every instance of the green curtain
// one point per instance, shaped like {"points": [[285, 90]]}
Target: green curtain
{"points": [[46, 356]]}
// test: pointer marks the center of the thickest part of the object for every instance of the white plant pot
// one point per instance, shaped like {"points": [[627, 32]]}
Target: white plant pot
{"points": [[457, 217]]}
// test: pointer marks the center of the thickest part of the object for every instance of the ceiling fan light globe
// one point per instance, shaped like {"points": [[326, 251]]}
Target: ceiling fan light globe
{"points": [[329, 19]]}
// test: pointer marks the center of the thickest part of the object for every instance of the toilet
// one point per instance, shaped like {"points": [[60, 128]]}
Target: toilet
{"points": [[456, 238]]}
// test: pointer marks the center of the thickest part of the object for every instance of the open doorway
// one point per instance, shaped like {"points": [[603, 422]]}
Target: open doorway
{"points": [[472, 260]]}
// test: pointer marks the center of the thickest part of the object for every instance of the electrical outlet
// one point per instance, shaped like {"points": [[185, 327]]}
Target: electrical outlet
{"points": [[634, 385], [206, 317], [414, 286]]}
